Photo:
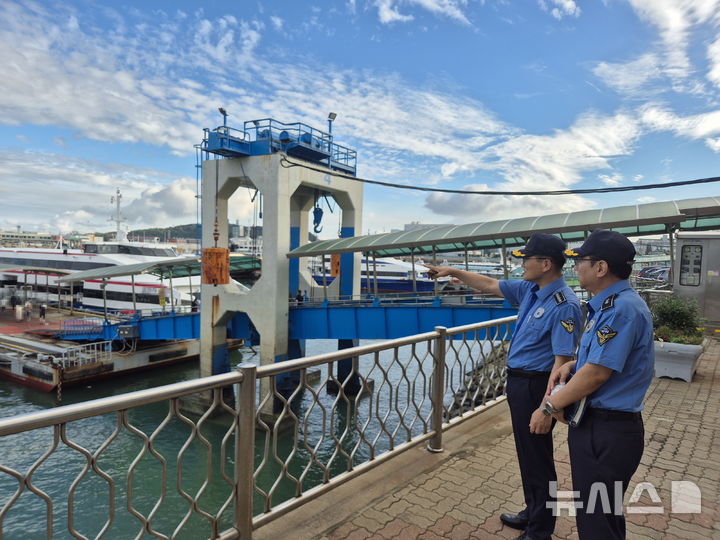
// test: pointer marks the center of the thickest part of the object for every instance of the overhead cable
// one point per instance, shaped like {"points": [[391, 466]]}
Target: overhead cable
{"points": [[285, 162]]}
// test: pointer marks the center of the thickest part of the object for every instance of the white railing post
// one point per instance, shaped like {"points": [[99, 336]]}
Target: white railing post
{"points": [[438, 389], [245, 450]]}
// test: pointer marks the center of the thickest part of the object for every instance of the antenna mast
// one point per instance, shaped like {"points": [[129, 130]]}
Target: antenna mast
{"points": [[120, 235]]}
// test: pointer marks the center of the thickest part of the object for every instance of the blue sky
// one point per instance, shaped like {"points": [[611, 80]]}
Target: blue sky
{"points": [[473, 94]]}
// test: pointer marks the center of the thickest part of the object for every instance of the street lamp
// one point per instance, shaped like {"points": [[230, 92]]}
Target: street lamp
{"points": [[331, 117], [222, 111]]}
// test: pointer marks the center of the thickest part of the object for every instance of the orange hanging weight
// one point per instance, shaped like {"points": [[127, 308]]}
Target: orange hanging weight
{"points": [[215, 266], [335, 265]]}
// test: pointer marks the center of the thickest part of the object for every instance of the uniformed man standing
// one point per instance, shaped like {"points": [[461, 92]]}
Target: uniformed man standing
{"points": [[613, 371], [545, 337]]}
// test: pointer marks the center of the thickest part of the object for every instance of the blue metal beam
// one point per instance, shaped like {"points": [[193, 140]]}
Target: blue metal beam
{"points": [[385, 322], [321, 322]]}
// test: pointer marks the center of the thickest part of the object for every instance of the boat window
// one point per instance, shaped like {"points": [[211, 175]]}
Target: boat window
{"points": [[90, 248]]}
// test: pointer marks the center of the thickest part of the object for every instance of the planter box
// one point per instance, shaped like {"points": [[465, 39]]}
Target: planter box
{"points": [[676, 360]]}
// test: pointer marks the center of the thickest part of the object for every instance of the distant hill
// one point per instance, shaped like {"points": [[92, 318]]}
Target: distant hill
{"points": [[176, 231]]}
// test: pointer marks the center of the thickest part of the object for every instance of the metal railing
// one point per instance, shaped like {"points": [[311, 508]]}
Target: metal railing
{"points": [[289, 436], [84, 326], [89, 353]]}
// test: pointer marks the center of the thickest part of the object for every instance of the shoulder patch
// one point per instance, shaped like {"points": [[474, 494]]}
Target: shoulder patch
{"points": [[608, 302], [605, 334], [568, 324], [559, 298]]}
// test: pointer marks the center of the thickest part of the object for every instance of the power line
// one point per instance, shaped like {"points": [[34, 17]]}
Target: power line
{"points": [[285, 162]]}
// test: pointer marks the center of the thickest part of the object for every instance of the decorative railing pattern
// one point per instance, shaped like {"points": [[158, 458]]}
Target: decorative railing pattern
{"points": [[140, 464]]}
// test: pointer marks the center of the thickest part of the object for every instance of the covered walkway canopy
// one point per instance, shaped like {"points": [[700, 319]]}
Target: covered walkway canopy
{"points": [[174, 268], [636, 220]]}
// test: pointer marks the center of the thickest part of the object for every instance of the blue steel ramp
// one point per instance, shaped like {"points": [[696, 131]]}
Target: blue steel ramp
{"points": [[359, 320], [386, 321]]}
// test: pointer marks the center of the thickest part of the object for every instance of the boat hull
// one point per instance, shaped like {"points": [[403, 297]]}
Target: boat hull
{"points": [[47, 378]]}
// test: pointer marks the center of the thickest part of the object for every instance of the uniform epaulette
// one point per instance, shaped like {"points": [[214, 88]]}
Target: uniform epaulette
{"points": [[559, 298], [608, 302]]}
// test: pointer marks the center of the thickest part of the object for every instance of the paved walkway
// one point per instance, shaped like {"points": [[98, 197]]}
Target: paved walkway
{"points": [[460, 493], [8, 324]]}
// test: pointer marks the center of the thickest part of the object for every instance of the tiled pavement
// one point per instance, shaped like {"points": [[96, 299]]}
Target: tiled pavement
{"points": [[8, 324], [459, 493]]}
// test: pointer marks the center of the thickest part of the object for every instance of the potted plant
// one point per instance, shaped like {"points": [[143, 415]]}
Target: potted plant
{"points": [[678, 340]]}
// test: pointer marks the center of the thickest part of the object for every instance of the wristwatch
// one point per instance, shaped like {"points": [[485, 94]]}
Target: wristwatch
{"points": [[549, 409]]}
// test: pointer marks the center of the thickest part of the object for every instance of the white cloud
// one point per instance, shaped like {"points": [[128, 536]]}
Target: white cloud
{"points": [[389, 12], [713, 144], [630, 78], [696, 127], [492, 207], [448, 8], [675, 20], [277, 22], [638, 177], [76, 193], [554, 162], [643, 200], [112, 86], [713, 54], [614, 179], [668, 67], [560, 8]]}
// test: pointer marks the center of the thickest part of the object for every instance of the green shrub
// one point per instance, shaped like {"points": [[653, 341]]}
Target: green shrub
{"points": [[690, 337], [676, 320]]}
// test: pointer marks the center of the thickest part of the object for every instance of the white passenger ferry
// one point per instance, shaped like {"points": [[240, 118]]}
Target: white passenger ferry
{"points": [[37, 270], [392, 276], [34, 272]]}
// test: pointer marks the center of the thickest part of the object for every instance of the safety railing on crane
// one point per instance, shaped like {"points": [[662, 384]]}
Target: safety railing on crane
{"points": [[266, 135]]}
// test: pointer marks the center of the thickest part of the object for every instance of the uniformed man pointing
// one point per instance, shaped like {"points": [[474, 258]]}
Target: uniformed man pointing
{"points": [[545, 337], [614, 369]]}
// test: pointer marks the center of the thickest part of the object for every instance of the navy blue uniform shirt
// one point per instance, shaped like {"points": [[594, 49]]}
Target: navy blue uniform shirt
{"points": [[549, 322], [619, 335]]}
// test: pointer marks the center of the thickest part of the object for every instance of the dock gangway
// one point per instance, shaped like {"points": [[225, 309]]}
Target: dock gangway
{"points": [[369, 318]]}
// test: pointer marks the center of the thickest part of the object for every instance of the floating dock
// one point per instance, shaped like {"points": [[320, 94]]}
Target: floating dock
{"points": [[31, 354]]}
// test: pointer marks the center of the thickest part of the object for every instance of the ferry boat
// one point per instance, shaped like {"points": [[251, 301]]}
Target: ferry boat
{"points": [[393, 276], [32, 269], [33, 273]]}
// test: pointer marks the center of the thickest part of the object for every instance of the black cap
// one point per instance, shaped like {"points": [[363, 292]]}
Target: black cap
{"points": [[610, 246], [544, 245]]}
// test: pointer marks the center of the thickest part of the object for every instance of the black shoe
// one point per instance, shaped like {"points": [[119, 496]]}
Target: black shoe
{"points": [[524, 536], [516, 521]]}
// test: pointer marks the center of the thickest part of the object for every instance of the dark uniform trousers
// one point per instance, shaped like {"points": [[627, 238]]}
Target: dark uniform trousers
{"points": [[535, 452], [605, 448]]}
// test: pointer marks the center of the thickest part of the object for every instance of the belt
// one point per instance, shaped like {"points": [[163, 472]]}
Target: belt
{"points": [[610, 414], [527, 374]]}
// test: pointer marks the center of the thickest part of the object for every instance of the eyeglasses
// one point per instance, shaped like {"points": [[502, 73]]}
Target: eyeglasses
{"points": [[525, 259], [578, 261]]}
